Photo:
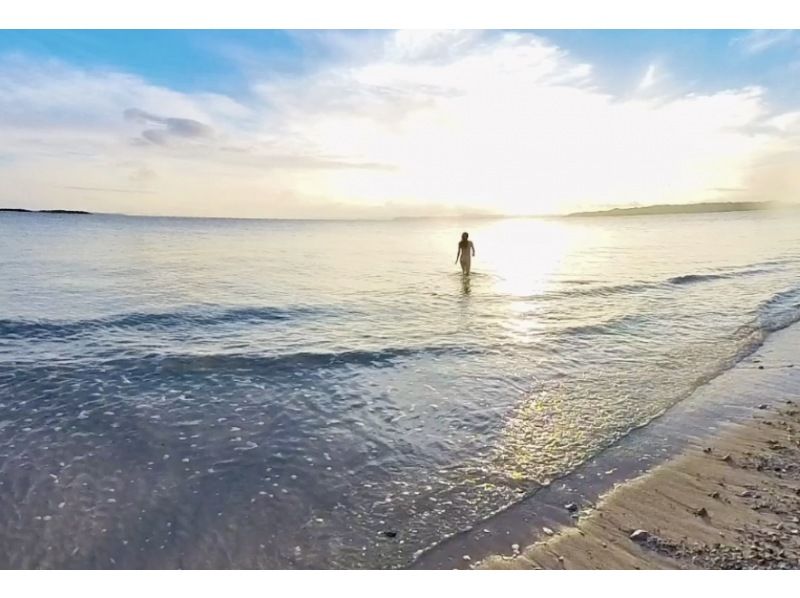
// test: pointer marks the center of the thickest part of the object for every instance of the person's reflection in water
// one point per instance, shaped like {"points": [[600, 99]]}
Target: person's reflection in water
{"points": [[465, 284]]}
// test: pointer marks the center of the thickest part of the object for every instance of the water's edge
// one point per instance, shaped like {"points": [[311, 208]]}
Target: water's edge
{"points": [[768, 376]]}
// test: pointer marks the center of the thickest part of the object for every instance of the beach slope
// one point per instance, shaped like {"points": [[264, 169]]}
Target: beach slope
{"points": [[731, 502]]}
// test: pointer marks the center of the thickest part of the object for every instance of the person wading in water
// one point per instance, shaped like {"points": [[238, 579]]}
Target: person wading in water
{"points": [[465, 251]]}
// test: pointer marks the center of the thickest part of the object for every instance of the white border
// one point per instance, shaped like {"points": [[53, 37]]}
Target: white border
{"points": [[359, 14], [397, 584]]}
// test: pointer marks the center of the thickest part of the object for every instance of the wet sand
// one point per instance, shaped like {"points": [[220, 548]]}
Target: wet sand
{"points": [[728, 502]]}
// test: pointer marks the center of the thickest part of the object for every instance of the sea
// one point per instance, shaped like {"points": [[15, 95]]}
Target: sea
{"points": [[222, 393]]}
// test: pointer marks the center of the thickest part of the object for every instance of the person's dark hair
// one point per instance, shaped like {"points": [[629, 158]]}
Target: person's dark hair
{"points": [[463, 242], [464, 236]]}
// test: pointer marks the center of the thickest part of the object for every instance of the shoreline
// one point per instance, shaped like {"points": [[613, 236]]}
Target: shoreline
{"points": [[728, 503], [769, 376]]}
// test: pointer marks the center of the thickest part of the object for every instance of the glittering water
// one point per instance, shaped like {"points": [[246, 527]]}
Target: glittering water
{"points": [[222, 393]]}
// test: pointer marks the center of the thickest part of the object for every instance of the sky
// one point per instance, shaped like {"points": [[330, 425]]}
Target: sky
{"points": [[380, 124]]}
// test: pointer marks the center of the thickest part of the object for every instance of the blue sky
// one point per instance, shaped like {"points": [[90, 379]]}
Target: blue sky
{"points": [[184, 60], [209, 60], [339, 117], [700, 60]]}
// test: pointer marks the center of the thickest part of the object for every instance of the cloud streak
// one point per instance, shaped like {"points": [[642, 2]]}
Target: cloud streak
{"points": [[649, 78], [105, 189], [172, 127], [762, 40]]}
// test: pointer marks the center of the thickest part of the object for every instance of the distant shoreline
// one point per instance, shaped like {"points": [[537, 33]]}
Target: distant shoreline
{"points": [[43, 211], [693, 208], [651, 210]]}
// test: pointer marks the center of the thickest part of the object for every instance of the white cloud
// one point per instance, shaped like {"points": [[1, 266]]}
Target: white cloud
{"points": [[786, 122], [514, 123], [649, 78], [762, 40], [397, 122]]}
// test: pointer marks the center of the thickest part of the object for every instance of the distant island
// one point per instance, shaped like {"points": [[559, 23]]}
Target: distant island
{"points": [[44, 211], [692, 208]]}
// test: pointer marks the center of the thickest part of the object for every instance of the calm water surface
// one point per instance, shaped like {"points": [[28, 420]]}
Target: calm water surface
{"points": [[223, 393]]}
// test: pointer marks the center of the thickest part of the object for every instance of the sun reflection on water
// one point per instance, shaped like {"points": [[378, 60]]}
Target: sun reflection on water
{"points": [[526, 255], [527, 259]]}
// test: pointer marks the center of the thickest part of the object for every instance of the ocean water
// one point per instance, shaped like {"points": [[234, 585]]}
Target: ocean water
{"points": [[282, 394]]}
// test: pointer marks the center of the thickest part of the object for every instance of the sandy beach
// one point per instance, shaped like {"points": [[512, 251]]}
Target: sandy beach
{"points": [[731, 502]]}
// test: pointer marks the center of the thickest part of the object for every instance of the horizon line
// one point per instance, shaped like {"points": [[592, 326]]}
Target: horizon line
{"points": [[580, 213]]}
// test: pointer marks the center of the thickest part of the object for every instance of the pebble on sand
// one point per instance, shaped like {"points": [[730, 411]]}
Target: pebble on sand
{"points": [[640, 535]]}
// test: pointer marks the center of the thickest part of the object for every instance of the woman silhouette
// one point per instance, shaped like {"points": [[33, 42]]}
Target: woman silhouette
{"points": [[465, 251]]}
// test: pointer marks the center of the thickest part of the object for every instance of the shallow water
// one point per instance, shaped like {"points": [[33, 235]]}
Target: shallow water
{"points": [[223, 393]]}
